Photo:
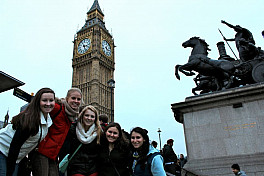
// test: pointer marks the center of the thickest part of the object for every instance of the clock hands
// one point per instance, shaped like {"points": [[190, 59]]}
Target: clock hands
{"points": [[106, 48], [83, 46]]}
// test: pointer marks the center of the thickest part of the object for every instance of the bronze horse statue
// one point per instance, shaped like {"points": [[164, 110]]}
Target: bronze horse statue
{"points": [[205, 84], [219, 70]]}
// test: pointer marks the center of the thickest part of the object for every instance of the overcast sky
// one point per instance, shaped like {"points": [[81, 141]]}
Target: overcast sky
{"points": [[36, 47]]}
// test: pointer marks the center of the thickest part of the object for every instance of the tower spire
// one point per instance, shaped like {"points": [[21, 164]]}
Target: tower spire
{"points": [[95, 6], [95, 16]]}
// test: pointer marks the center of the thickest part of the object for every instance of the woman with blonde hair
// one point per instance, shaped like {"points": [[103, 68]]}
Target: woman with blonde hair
{"points": [[85, 132], [65, 112]]}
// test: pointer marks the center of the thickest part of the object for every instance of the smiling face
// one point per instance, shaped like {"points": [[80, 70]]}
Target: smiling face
{"points": [[137, 140], [88, 118], [74, 100], [112, 134], [47, 103]]}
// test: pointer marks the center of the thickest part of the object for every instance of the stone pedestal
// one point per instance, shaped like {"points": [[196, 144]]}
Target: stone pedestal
{"points": [[224, 128]]}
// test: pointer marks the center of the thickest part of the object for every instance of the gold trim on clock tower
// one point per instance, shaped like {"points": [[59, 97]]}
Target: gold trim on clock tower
{"points": [[94, 62]]}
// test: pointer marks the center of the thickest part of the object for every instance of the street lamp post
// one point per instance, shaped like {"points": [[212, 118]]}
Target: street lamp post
{"points": [[111, 84], [159, 138]]}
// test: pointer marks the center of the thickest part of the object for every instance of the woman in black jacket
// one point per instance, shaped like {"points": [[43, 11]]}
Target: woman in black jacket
{"points": [[115, 155], [87, 132]]}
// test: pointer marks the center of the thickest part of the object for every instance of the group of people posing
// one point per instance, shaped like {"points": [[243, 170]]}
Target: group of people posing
{"points": [[50, 128]]}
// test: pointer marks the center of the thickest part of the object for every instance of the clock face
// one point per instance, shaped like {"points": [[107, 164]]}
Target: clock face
{"points": [[106, 48], [84, 45]]}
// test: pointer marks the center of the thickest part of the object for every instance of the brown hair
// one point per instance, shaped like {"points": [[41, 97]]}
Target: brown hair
{"points": [[121, 143], [103, 118], [144, 149], [29, 119]]}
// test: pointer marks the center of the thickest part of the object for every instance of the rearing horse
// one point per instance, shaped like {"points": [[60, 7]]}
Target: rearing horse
{"points": [[199, 62]]}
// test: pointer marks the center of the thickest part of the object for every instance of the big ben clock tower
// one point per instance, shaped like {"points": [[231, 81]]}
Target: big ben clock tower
{"points": [[94, 62]]}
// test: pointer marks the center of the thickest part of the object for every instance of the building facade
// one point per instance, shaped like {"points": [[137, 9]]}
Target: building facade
{"points": [[94, 62]]}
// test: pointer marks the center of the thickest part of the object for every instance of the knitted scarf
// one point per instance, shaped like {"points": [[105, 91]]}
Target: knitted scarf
{"points": [[86, 137], [71, 113], [135, 156]]}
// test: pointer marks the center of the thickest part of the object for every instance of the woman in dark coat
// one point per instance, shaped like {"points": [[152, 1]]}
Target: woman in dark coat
{"points": [[115, 155], [87, 132], [147, 160]]}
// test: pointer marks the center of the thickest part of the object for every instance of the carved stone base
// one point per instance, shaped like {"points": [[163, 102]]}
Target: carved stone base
{"points": [[224, 128], [253, 165]]}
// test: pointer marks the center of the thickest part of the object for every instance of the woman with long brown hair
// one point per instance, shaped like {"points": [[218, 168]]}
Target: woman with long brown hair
{"points": [[147, 159], [27, 129], [115, 155]]}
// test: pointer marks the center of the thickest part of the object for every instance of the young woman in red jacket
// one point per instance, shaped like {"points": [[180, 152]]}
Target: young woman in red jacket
{"points": [[63, 114]]}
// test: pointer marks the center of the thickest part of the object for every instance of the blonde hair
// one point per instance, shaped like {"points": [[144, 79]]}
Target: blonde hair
{"points": [[74, 89], [96, 121]]}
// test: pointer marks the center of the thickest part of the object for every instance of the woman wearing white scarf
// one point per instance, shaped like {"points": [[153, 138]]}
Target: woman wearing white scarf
{"points": [[87, 131]]}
